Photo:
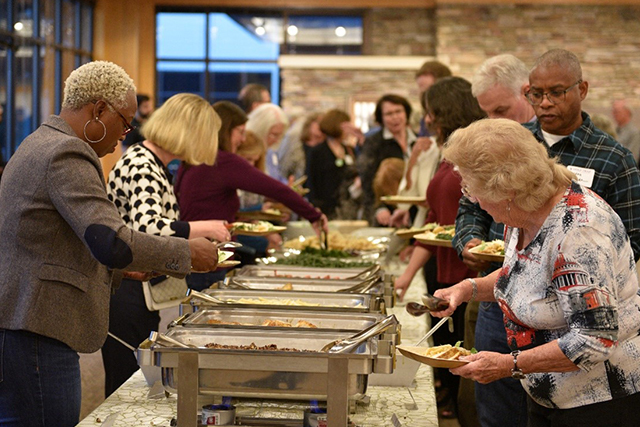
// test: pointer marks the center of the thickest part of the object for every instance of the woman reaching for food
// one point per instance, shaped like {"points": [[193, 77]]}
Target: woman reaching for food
{"points": [[568, 287]]}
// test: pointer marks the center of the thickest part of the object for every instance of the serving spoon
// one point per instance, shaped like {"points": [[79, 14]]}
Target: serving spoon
{"points": [[430, 302]]}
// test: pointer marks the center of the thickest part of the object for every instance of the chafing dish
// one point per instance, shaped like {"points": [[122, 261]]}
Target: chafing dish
{"points": [[250, 318], [286, 300], [298, 284], [301, 374], [293, 271]]}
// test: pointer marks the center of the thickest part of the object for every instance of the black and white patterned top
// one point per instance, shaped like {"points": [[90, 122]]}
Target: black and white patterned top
{"points": [[140, 187]]}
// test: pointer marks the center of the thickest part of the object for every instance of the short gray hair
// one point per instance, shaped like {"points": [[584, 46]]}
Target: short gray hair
{"points": [[94, 81], [263, 118], [503, 70], [560, 58]]}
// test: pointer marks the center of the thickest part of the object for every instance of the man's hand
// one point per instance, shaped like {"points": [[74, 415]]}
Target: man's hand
{"points": [[470, 260], [399, 218], [204, 254]]}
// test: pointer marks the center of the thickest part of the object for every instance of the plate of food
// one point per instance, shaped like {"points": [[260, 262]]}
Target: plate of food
{"points": [[441, 235], [492, 251], [258, 228], [408, 233], [225, 261], [442, 356], [394, 200]]}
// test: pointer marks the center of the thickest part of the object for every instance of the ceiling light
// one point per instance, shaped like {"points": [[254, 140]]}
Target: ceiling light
{"points": [[341, 31], [292, 30], [260, 31], [18, 26]]}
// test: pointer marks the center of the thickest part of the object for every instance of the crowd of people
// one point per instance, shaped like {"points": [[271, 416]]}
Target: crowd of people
{"points": [[509, 155]]}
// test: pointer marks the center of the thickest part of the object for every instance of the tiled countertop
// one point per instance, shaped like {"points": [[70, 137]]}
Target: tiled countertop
{"points": [[130, 407]]}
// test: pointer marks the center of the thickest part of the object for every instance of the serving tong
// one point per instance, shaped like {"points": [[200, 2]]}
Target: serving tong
{"points": [[166, 341], [348, 345]]}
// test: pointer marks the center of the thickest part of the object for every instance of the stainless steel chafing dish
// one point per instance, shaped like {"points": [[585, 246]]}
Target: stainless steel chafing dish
{"points": [[299, 284], [250, 318], [304, 272], [318, 301], [298, 374]]}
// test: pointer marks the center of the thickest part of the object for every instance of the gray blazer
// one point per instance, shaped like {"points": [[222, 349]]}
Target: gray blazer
{"points": [[62, 241]]}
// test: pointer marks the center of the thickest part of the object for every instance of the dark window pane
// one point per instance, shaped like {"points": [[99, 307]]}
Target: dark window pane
{"points": [[87, 17], [181, 35], [23, 20], [4, 145], [23, 80], [4, 13], [338, 35], [68, 24], [259, 37], [177, 77], [227, 78]]}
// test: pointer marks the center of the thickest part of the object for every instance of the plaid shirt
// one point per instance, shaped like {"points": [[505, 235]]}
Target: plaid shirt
{"points": [[616, 180]]}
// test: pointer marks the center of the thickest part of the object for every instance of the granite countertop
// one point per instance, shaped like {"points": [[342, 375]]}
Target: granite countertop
{"points": [[129, 405]]}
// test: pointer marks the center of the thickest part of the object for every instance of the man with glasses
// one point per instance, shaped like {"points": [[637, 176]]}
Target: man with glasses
{"points": [[556, 90]]}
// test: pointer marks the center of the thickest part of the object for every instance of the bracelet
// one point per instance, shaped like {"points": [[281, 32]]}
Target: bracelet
{"points": [[474, 288]]}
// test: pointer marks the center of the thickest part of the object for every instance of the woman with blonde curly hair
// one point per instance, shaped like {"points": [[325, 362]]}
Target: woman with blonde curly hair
{"points": [[184, 128], [65, 247], [568, 286]]}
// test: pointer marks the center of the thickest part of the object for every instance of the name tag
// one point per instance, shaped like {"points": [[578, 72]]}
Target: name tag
{"points": [[585, 176], [511, 245]]}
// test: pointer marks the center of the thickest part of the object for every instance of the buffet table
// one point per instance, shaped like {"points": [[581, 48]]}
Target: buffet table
{"points": [[130, 406]]}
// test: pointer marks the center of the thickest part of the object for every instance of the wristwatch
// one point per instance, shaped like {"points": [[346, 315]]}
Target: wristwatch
{"points": [[516, 372]]}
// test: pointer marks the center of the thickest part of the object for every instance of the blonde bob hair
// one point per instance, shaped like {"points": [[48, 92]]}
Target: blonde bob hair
{"points": [[252, 146], [187, 126], [263, 118], [94, 81], [500, 160]]}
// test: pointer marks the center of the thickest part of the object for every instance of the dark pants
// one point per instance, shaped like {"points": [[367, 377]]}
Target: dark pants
{"points": [[624, 412], [131, 321], [39, 381], [503, 402]]}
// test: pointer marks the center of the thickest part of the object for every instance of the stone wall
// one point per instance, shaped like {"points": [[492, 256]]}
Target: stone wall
{"points": [[605, 38]]}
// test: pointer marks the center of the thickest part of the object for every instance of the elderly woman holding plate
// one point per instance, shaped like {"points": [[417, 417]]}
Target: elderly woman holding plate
{"points": [[568, 287]]}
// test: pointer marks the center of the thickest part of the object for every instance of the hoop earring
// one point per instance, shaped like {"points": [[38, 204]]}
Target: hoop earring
{"points": [[104, 130]]}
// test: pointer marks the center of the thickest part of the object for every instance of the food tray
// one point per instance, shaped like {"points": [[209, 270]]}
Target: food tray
{"points": [[253, 319], [298, 284], [261, 373], [289, 271], [326, 301]]}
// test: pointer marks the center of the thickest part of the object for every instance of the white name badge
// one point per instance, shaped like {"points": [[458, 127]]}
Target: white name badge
{"points": [[585, 176], [511, 245]]}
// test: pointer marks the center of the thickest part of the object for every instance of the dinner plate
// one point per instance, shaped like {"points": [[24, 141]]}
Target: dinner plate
{"points": [[227, 264], [403, 199], [429, 239], [407, 233], [487, 257], [417, 353], [272, 230]]}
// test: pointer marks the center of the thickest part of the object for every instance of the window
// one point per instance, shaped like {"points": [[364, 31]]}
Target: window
{"points": [[215, 53], [41, 41]]}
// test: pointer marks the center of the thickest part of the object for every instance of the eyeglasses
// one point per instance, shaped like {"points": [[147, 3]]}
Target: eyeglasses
{"points": [[127, 126], [555, 96]]}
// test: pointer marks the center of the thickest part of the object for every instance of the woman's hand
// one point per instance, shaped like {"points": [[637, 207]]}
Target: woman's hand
{"points": [[211, 229], [400, 218], [401, 285], [320, 225], [275, 241], [204, 254], [383, 216], [472, 261], [456, 295], [485, 367]]}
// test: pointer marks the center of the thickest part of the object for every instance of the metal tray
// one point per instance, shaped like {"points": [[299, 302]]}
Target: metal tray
{"points": [[322, 301], [253, 319], [298, 284], [261, 373], [289, 271]]}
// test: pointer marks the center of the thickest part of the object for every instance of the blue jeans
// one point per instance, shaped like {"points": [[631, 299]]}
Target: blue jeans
{"points": [[503, 402], [39, 381]]}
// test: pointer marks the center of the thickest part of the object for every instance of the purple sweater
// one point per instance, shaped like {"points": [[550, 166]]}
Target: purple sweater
{"points": [[209, 192]]}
